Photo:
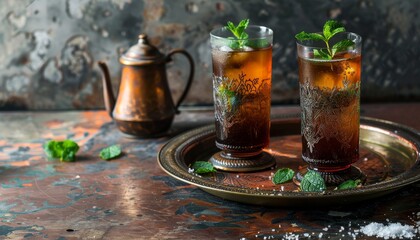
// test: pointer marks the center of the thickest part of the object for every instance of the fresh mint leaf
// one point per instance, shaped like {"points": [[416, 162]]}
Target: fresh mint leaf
{"points": [[283, 175], [303, 36], [331, 28], [64, 150], [201, 167], [244, 23], [349, 184], [258, 43], [239, 33], [312, 182], [342, 46], [321, 54], [110, 152], [241, 38], [231, 27]]}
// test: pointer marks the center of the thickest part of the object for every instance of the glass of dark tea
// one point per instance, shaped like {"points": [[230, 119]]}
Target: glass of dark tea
{"points": [[242, 62], [329, 80]]}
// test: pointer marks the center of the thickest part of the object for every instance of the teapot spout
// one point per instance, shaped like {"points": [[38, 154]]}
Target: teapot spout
{"points": [[109, 97]]}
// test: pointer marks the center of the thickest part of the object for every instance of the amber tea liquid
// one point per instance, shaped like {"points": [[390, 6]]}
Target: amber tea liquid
{"points": [[330, 93], [242, 97]]}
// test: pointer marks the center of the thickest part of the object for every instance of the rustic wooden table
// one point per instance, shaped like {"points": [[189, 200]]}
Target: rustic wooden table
{"points": [[132, 198]]}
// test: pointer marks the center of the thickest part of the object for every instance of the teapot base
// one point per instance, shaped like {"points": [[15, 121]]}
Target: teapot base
{"points": [[144, 129]]}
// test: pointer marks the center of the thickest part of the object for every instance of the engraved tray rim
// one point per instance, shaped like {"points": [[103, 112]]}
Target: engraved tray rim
{"points": [[171, 159]]}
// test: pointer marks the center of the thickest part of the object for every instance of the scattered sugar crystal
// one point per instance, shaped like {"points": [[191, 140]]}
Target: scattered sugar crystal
{"points": [[325, 229], [282, 188], [237, 176], [392, 230], [190, 170]]}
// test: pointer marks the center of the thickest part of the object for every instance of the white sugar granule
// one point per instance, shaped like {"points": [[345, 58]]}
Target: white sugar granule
{"points": [[392, 230]]}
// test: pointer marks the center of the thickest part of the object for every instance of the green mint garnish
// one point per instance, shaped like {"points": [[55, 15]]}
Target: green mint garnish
{"points": [[64, 150], [239, 33], [110, 152], [349, 184], [331, 28], [283, 175], [201, 167], [312, 182]]}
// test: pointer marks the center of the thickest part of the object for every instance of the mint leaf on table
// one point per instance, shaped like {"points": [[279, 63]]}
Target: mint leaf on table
{"points": [[201, 167], [64, 150], [331, 28], [312, 182], [110, 152], [283, 175], [349, 184]]}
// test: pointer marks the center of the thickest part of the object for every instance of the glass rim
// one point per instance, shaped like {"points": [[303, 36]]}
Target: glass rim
{"points": [[266, 33], [357, 40]]}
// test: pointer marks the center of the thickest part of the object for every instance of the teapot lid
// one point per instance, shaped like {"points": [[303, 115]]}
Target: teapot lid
{"points": [[142, 53]]}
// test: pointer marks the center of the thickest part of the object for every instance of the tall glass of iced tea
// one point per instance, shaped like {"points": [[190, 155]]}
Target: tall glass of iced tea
{"points": [[330, 107], [242, 98]]}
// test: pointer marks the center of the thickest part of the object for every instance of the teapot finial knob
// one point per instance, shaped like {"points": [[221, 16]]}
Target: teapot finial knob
{"points": [[143, 38]]}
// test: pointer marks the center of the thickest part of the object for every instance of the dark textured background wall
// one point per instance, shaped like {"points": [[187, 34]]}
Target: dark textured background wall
{"points": [[49, 49]]}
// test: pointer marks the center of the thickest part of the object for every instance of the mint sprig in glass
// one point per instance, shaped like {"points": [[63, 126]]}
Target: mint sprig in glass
{"points": [[330, 29], [242, 69], [241, 40], [329, 80]]}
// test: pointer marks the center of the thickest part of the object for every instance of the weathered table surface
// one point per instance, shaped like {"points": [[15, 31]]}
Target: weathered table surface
{"points": [[132, 198]]}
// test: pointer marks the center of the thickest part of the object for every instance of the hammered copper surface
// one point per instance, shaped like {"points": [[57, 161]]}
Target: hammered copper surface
{"points": [[389, 157]]}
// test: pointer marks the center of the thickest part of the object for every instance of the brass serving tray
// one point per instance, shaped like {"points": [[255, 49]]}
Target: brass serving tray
{"points": [[389, 156]]}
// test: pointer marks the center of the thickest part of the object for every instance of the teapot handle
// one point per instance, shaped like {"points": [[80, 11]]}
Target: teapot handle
{"points": [[190, 77]]}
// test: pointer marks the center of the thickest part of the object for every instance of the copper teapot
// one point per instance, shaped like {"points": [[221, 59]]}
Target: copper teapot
{"points": [[144, 106]]}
